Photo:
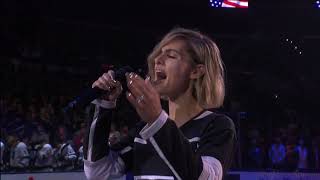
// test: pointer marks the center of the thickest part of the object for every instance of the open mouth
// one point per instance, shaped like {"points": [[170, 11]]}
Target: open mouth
{"points": [[160, 76]]}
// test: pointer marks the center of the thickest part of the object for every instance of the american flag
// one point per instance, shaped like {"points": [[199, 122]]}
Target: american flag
{"points": [[230, 3]]}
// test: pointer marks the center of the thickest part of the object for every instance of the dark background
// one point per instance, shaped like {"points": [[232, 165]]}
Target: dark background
{"points": [[260, 64], [266, 77]]}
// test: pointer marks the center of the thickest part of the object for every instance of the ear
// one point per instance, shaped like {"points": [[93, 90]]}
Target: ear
{"points": [[197, 71]]}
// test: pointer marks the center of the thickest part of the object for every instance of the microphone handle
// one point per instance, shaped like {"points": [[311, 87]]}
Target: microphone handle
{"points": [[93, 93], [85, 98]]}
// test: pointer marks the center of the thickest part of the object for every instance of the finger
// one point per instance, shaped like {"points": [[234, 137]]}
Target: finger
{"points": [[134, 85], [132, 99], [139, 83], [95, 84], [142, 83], [104, 84], [112, 74], [118, 89], [111, 82], [149, 86], [108, 78], [98, 85], [119, 86], [146, 87]]}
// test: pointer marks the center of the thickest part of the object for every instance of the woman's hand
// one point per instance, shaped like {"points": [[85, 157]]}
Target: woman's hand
{"points": [[144, 97], [106, 82]]}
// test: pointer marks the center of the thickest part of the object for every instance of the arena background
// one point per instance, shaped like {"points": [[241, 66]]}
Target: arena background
{"points": [[52, 50]]}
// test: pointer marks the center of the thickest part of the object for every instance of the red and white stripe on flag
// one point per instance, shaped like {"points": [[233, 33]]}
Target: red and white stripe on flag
{"points": [[235, 3]]}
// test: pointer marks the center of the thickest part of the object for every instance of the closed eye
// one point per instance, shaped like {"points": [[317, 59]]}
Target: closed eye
{"points": [[170, 56], [171, 53]]}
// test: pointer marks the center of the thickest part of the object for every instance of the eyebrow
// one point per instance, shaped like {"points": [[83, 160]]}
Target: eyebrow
{"points": [[174, 50]]}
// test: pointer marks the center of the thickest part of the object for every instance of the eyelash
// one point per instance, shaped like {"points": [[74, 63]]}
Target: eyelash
{"points": [[170, 56]]}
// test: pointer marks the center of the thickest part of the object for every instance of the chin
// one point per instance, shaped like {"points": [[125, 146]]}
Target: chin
{"points": [[160, 91], [163, 89]]}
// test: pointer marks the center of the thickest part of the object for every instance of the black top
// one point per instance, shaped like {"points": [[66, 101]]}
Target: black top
{"points": [[168, 152]]}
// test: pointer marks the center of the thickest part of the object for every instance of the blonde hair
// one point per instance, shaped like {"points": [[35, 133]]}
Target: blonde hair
{"points": [[208, 90]]}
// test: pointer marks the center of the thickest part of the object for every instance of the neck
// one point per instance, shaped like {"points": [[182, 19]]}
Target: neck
{"points": [[183, 108]]}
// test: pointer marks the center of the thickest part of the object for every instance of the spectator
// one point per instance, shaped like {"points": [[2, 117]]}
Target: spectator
{"points": [[64, 153], [315, 154], [35, 127], [1, 153], [19, 155], [3, 149], [303, 154], [38, 133], [44, 156], [124, 131], [255, 155], [78, 136], [292, 156], [80, 157], [277, 154], [65, 156], [114, 136]]}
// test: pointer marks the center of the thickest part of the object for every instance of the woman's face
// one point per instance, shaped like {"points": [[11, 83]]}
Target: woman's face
{"points": [[172, 68]]}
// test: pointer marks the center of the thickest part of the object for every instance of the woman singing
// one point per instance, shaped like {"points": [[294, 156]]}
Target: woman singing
{"points": [[187, 143]]}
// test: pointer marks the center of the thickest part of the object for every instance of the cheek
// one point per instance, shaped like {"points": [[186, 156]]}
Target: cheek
{"points": [[178, 67], [180, 77]]}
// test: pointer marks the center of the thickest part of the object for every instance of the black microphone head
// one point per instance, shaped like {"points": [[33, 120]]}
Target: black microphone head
{"points": [[121, 72], [120, 75]]}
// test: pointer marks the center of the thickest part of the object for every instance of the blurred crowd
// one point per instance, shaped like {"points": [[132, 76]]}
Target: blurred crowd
{"points": [[287, 149], [36, 134]]}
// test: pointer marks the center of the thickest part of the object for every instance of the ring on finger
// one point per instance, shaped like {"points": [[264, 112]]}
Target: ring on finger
{"points": [[140, 98]]}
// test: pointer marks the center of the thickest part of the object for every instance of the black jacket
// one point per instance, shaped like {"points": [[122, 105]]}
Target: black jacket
{"points": [[200, 149]]}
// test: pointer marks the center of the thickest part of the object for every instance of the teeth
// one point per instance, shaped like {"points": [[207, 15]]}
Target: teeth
{"points": [[160, 74]]}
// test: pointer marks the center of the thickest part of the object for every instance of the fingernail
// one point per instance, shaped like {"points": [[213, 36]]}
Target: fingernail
{"points": [[129, 94], [148, 78], [135, 76], [114, 81], [130, 82], [130, 76]]}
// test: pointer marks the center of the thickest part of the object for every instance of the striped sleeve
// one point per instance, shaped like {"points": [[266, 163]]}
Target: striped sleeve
{"points": [[212, 169], [110, 166], [100, 162], [210, 160]]}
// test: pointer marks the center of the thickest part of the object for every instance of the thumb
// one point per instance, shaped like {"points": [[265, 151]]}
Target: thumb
{"points": [[112, 74]]}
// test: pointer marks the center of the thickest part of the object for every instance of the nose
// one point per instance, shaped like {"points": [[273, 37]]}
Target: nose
{"points": [[159, 59]]}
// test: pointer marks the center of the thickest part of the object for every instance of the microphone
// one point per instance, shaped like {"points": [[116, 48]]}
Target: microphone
{"points": [[93, 93]]}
